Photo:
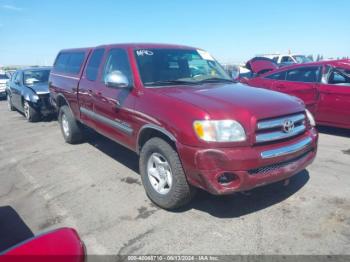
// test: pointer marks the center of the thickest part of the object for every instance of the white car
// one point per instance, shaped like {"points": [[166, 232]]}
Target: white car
{"points": [[3, 81], [286, 59]]}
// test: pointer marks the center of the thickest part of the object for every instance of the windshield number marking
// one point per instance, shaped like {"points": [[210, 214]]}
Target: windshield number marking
{"points": [[144, 52]]}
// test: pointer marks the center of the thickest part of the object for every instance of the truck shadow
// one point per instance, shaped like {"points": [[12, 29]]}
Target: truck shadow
{"points": [[239, 204], [112, 149], [334, 131]]}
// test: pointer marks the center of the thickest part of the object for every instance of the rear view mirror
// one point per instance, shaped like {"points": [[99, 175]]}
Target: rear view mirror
{"points": [[117, 79]]}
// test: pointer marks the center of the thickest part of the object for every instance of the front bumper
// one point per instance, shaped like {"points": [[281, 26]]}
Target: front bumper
{"points": [[250, 166], [44, 106]]}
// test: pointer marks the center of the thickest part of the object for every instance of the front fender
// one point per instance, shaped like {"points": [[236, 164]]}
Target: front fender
{"points": [[30, 96]]}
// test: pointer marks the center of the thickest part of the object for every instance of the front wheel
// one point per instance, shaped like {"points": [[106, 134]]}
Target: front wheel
{"points": [[70, 128], [30, 113], [9, 103], [163, 176]]}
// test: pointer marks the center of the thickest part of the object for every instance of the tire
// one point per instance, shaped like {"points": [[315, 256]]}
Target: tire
{"points": [[177, 192], [9, 103], [30, 113], [70, 128]]}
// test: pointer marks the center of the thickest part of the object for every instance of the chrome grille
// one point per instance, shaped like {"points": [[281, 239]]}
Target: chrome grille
{"points": [[280, 128]]}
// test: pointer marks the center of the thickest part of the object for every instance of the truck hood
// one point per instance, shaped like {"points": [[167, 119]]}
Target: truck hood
{"points": [[235, 101], [42, 88]]}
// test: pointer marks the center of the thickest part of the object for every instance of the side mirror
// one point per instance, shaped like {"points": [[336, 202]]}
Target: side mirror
{"points": [[235, 74], [17, 82], [117, 79]]}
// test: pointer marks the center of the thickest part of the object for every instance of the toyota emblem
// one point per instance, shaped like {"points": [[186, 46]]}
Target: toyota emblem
{"points": [[288, 126]]}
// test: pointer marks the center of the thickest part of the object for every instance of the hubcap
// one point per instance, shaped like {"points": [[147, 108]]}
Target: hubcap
{"points": [[159, 173], [65, 125], [26, 110]]}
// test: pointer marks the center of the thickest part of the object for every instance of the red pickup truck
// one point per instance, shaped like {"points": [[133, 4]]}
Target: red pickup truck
{"points": [[178, 109]]}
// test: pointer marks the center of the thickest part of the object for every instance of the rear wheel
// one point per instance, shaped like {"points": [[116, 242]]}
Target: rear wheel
{"points": [[9, 103], [163, 176], [30, 113], [71, 129]]}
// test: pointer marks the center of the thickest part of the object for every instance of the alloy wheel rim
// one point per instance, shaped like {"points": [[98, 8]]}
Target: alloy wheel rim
{"points": [[8, 102], [65, 125], [26, 110], [159, 173]]}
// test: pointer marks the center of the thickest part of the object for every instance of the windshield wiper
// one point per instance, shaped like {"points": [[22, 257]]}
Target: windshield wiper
{"points": [[215, 79], [169, 82]]}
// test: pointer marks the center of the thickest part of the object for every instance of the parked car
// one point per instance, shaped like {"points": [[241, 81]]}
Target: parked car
{"points": [[62, 244], [180, 111], [3, 82], [19, 243], [288, 59], [28, 92], [323, 86]]}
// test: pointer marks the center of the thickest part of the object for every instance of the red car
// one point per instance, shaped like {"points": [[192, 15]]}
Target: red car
{"points": [[59, 245], [323, 86], [18, 242], [180, 111]]}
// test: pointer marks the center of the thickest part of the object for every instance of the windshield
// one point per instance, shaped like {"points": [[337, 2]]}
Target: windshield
{"points": [[36, 76], [3, 76], [159, 67], [302, 59]]}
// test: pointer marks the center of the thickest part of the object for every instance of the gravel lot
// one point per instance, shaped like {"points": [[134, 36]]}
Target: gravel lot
{"points": [[95, 187]]}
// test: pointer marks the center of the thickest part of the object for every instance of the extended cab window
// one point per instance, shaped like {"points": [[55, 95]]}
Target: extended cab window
{"points": [[277, 76], [69, 62], [337, 77], [117, 60], [304, 74], [61, 62], [74, 63], [94, 64]]}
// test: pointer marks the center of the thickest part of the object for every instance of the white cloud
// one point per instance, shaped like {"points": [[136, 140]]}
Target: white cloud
{"points": [[11, 7]]}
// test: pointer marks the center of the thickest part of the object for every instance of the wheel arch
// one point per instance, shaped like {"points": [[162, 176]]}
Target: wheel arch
{"points": [[149, 131], [61, 101]]}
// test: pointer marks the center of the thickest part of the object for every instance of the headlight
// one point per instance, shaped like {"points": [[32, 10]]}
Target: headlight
{"points": [[219, 130], [310, 117], [35, 97]]}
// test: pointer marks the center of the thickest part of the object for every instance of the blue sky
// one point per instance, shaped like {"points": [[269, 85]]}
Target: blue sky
{"points": [[33, 31]]}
